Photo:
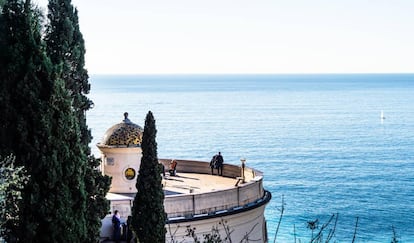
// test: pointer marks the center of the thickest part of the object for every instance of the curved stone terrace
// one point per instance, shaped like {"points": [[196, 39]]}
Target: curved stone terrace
{"points": [[194, 193]]}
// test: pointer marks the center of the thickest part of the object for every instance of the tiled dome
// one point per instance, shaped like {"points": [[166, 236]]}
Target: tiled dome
{"points": [[125, 133]]}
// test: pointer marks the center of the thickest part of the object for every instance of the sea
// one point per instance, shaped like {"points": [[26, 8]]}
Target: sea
{"points": [[328, 144]]}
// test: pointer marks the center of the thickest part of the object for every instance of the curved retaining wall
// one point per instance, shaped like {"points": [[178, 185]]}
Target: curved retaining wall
{"points": [[188, 205], [239, 225]]}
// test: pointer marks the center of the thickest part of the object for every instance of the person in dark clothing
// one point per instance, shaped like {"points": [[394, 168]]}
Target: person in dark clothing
{"points": [[213, 163], [219, 164], [116, 222], [173, 167]]}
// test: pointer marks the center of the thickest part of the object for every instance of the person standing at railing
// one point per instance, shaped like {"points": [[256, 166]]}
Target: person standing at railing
{"points": [[213, 163], [219, 164]]}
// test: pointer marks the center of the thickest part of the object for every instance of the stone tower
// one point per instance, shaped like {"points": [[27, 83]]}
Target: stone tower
{"points": [[121, 155]]}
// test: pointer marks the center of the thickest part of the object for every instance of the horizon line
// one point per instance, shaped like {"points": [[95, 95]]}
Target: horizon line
{"points": [[204, 74]]}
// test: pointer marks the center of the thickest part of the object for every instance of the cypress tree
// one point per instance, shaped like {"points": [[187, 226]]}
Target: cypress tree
{"points": [[97, 186], [67, 173], [66, 49], [39, 127], [148, 215]]}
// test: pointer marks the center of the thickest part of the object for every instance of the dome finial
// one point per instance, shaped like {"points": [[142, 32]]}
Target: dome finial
{"points": [[126, 120]]}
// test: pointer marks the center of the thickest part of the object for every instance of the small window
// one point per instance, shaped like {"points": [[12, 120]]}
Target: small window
{"points": [[130, 173], [110, 161]]}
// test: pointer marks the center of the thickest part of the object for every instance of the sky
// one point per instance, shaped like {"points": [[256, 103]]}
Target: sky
{"points": [[247, 36]]}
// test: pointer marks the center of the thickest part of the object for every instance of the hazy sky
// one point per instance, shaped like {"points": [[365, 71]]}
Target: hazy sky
{"points": [[240, 36]]}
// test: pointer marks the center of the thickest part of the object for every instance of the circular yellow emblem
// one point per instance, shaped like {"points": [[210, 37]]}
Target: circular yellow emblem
{"points": [[130, 173]]}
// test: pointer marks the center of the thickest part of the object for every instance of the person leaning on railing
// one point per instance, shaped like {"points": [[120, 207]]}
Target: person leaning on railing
{"points": [[173, 167]]}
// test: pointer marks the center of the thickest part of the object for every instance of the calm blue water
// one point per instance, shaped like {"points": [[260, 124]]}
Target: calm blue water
{"points": [[319, 140]]}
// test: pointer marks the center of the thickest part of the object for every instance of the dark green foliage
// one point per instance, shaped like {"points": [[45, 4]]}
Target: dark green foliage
{"points": [[12, 181], [38, 126], [66, 169], [26, 81], [25, 73], [97, 206], [148, 216], [43, 123], [66, 49], [23, 96]]}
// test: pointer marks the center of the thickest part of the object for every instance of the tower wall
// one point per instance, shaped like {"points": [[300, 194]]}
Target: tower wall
{"points": [[122, 164], [244, 226]]}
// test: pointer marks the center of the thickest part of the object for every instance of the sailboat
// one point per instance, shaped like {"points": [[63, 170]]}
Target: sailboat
{"points": [[382, 115]]}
